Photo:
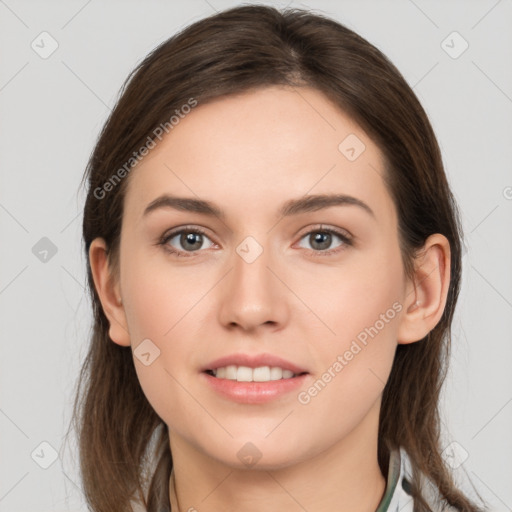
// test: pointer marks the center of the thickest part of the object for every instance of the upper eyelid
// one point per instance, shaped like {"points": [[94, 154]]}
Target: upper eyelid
{"points": [[324, 227], [202, 230], [171, 233]]}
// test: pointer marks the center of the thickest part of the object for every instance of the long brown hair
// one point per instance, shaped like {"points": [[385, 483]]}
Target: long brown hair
{"points": [[123, 444]]}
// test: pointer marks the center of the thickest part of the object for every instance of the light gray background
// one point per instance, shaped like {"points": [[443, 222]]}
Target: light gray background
{"points": [[51, 113]]}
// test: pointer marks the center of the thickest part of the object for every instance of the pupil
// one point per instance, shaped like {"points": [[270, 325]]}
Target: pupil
{"points": [[323, 239], [191, 238]]}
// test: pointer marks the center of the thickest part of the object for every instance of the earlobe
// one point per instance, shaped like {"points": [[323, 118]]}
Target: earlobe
{"points": [[426, 297], [108, 291]]}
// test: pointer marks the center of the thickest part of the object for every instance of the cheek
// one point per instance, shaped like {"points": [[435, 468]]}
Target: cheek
{"points": [[351, 298], [163, 306], [353, 367], [360, 303], [160, 297]]}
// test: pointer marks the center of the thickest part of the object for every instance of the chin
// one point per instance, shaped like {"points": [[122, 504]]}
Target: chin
{"points": [[259, 455]]}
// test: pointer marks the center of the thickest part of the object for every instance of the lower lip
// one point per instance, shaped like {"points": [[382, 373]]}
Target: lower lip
{"points": [[254, 392]]}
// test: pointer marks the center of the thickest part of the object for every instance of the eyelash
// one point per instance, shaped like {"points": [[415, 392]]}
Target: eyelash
{"points": [[344, 237]]}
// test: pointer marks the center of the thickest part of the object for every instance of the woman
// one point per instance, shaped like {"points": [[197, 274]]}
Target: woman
{"points": [[274, 258]]}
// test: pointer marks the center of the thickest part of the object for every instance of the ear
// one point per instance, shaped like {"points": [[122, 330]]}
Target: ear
{"points": [[108, 290], [426, 294]]}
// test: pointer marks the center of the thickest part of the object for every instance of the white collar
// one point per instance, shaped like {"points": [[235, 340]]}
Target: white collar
{"points": [[396, 497]]}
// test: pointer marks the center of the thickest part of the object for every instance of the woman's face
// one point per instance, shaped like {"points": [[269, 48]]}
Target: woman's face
{"points": [[299, 269]]}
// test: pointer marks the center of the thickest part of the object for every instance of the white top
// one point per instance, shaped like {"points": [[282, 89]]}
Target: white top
{"points": [[397, 498]]}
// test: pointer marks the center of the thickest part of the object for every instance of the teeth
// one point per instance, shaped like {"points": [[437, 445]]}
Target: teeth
{"points": [[276, 373], [246, 374], [261, 374], [231, 373]]}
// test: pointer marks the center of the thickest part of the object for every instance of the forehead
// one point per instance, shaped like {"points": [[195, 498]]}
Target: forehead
{"points": [[252, 151]]}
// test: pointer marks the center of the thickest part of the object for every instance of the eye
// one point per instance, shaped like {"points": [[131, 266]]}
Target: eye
{"points": [[185, 240], [189, 240], [321, 240]]}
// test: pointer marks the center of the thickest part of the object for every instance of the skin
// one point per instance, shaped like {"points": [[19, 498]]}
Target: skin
{"points": [[248, 154]]}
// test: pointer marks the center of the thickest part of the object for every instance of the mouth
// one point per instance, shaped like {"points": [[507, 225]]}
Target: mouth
{"points": [[248, 374], [254, 378]]}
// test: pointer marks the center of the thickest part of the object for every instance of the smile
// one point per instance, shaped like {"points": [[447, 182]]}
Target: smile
{"points": [[247, 374]]}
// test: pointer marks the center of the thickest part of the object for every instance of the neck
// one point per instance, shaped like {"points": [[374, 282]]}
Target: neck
{"points": [[344, 478]]}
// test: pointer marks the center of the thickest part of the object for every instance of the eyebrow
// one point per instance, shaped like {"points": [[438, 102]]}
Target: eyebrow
{"points": [[308, 203]]}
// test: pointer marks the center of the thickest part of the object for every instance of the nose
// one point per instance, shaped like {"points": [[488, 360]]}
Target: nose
{"points": [[252, 294]]}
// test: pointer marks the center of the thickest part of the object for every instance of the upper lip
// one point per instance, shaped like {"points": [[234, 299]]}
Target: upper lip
{"points": [[254, 361]]}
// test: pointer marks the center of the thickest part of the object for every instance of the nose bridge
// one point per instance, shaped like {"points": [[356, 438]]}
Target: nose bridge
{"points": [[252, 294]]}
